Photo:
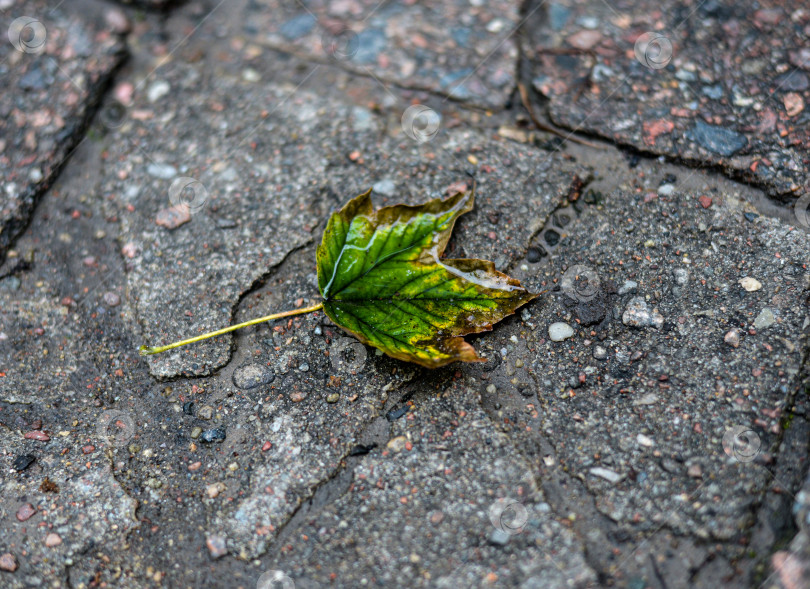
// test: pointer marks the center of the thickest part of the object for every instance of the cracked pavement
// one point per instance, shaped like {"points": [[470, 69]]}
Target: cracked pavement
{"points": [[168, 169]]}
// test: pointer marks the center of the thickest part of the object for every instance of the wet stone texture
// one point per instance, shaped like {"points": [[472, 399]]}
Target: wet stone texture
{"points": [[57, 508], [428, 505], [64, 354], [205, 215], [41, 324], [464, 50], [54, 63], [646, 413], [640, 411], [716, 82]]}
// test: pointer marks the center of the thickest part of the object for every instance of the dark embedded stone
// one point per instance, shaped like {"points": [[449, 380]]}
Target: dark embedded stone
{"points": [[534, 255], [362, 449], [592, 311], [213, 435], [716, 139], [395, 414], [619, 371], [669, 179], [23, 461], [551, 237]]}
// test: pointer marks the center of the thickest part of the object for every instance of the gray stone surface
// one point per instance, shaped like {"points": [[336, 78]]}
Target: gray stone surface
{"points": [[55, 63], [664, 448], [656, 414]]}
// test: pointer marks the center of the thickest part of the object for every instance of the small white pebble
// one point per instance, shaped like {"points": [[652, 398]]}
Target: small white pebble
{"points": [[560, 331], [750, 284], [251, 75], [607, 474], [157, 90]]}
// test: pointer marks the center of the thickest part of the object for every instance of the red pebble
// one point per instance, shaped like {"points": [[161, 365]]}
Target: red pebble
{"points": [[25, 511], [705, 201], [37, 435]]}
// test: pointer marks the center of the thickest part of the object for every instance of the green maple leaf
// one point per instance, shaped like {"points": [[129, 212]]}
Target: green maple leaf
{"points": [[382, 279]]}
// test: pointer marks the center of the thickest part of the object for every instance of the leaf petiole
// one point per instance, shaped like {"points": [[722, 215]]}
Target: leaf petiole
{"points": [[148, 350]]}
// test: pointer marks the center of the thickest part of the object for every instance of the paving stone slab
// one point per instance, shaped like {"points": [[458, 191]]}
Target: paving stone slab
{"points": [[55, 62], [306, 432], [463, 50], [711, 82], [670, 415], [446, 503]]}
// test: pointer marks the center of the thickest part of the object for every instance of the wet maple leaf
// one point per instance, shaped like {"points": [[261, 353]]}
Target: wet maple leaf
{"points": [[383, 280]]}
